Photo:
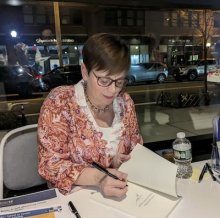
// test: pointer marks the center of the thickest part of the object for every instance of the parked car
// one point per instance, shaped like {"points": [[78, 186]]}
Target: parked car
{"points": [[66, 75], [191, 72], [214, 76], [16, 80], [147, 72]]}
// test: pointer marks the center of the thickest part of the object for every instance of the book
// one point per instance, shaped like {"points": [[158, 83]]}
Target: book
{"points": [[151, 187]]}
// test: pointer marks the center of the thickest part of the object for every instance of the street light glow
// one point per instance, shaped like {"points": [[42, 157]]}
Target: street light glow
{"points": [[208, 44], [13, 34]]}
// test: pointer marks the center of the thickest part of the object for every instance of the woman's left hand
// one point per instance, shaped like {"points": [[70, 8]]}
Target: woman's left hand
{"points": [[119, 159]]}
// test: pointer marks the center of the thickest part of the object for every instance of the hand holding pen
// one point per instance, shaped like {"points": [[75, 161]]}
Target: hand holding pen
{"points": [[113, 183]]}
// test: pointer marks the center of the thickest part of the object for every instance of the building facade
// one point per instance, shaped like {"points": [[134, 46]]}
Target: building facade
{"points": [[175, 37]]}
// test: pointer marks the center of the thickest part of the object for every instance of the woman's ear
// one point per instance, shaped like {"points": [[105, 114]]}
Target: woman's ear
{"points": [[84, 72]]}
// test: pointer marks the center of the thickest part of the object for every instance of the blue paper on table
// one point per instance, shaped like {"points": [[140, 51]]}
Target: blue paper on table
{"points": [[29, 198]]}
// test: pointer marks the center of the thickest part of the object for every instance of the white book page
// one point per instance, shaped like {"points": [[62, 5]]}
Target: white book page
{"points": [[150, 170], [139, 202]]}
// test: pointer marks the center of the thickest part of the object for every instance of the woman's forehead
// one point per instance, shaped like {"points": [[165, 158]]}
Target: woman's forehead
{"points": [[110, 74]]}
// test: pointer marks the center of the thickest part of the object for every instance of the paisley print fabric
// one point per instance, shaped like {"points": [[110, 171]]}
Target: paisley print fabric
{"points": [[69, 139]]}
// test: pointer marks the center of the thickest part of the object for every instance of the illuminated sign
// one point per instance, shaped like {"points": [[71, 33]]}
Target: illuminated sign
{"points": [[54, 41]]}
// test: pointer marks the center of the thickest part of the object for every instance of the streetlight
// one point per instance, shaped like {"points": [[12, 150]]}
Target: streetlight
{"points": [[14, 33]]}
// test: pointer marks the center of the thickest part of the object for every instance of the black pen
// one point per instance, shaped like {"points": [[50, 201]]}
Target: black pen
{"points": [[73, 209], [202, 173], [102, 169], [210, 172]]}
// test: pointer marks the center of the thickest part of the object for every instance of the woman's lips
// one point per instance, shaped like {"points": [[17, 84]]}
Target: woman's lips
{"points": [[109, 97]]}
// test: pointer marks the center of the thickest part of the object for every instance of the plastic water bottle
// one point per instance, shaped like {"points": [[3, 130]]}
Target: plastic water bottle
{"points": [[182, 156]]}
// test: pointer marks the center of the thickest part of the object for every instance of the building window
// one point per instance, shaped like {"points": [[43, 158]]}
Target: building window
{"points": [[184, 18], [51, 19], [130, 18], [119, 17], [28, 14], [65, 20], [111, 17], [166, 19], [37, 15], [194, 18], [216, 19], [28, 19], [27, 9], [174, 18], [140, 18], [171, 19], [41, 19], [77, 17], [139, 54], [70, 16], [124, 17]]}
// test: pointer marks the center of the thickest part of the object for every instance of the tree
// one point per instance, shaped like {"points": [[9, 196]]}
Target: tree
{"points": [[202, 22], [207, 29]]}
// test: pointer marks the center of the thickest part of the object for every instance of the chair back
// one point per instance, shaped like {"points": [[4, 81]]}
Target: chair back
{"points": [[19, 159]]}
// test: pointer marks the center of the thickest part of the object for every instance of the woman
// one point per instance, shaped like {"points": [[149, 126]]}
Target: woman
{"points": [[92, 121]]}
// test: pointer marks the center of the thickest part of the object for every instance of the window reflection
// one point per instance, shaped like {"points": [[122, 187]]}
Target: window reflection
{"points": [[162, 35]]}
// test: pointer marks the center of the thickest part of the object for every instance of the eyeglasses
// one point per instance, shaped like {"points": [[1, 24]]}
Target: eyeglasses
{"points": [[106, 81]]}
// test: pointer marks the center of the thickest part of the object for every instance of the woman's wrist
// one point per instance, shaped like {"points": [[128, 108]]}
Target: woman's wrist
{"points": [[99, 177]]}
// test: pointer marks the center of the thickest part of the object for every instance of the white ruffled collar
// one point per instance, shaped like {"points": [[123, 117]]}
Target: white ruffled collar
{"points": [[115, 131], [118, 103]]}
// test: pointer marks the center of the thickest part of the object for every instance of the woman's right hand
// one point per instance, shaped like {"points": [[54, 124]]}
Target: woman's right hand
{"points": [[111, 187]]}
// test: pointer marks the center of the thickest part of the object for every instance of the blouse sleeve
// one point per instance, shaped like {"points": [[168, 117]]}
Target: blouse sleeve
{"points": [[55, 164], [132, 123]]}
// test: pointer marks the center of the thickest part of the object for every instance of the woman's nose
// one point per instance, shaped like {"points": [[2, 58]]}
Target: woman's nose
{"points": [[113, 87]]}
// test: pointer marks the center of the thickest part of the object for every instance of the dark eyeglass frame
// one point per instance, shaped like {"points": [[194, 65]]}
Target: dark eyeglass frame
{"points": [[125, 81]]}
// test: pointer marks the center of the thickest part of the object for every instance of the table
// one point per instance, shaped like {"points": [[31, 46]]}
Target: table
{"points": [[200, 200]]}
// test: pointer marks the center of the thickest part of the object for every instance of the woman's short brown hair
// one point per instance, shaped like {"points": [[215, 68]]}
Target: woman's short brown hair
{"points": [[103, 51]]}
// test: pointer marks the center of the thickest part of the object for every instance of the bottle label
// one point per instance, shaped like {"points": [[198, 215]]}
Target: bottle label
{"points": [[182, 155]]}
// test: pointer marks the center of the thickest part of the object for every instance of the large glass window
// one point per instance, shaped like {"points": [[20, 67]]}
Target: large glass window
{"points": [[172, 38]]}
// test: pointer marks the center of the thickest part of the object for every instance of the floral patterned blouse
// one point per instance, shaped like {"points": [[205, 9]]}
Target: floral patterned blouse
{"points": [[69, 138]]}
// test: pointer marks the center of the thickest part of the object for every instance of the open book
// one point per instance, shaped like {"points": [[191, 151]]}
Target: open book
{"points": [[151, 187]]}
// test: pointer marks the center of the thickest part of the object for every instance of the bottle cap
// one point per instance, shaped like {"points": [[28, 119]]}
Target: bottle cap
{"points": [[181, 135]]}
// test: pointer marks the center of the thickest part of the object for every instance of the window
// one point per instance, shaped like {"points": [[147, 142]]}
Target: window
{"points": [[37, 15], [171, 18], [28, 14], [71, 16], [111, 17], [65, 20], [185, 18], [194, 18], [166, 19], [140, 18], [144, 56], [77, 17], [124, 17], [217, 19], [174, 19], [27, 9], [29, 19], [139, 54], [40, 19], [130, 18]]}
